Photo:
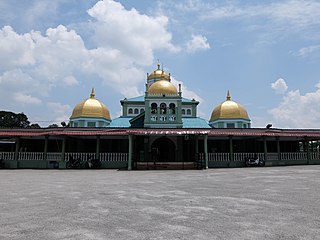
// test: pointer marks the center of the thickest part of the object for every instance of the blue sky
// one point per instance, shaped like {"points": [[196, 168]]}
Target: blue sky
{"points": [[265, 52]]}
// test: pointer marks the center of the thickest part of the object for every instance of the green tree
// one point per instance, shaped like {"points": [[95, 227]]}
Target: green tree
{"points": [[54, 125], [34, 125], [13, 120]]}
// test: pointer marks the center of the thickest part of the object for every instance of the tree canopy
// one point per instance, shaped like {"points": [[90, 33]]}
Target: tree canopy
{"points": [[13, 120]]}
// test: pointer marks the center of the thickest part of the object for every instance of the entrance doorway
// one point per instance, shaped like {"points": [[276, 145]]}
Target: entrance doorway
{"points": [[163, 150]]}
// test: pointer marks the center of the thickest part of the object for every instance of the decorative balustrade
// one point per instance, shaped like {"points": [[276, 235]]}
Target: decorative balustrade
{"points": [[54, 156], [83, 156], [314, 156], [30, 156], [223, 157], [118, 157], [241, 157], [219, 157], [272, 156], [7, 155], [294, 156]]}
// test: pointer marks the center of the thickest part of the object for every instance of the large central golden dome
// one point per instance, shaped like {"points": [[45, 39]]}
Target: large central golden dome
{"points": [[162, 87], [91, 107], [229, 109]]}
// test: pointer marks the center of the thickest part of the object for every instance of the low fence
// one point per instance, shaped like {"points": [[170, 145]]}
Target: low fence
{"points": [[272, 159], [118, 157], [120, 160], [7, 155], [54, 159], [54, 156]]}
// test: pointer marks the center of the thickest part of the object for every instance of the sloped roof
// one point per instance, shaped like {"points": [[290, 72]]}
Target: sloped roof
{"points": [[136, 99], [120, 122], [241, 132], [195, 122]]}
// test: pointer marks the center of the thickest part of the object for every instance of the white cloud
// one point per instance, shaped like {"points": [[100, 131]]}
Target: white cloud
{"points": [[60, 112], [280, 86], [276, 19], [136, 34], [198, 42], [37, 67], [26, 99], [71, 81], [15, 49], [297, 110], [292, 12], [306, 51], [186, 93]]}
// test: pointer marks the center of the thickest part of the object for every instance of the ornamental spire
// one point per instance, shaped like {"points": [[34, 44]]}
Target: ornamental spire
{"points": [[228, 96], [92, 93]]}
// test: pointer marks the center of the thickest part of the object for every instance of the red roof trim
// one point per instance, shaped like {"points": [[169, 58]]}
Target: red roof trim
{"points": [[174, 132]]}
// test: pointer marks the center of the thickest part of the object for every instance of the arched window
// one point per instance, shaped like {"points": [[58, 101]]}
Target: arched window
{"points": [[172, 108], [136, 111], [188, 112], [141, 110], [163, 108], [130, 111], [183, 112], [154, 107]]}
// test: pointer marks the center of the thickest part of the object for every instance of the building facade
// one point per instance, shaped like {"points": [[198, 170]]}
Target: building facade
{"points": [[158, 130]]}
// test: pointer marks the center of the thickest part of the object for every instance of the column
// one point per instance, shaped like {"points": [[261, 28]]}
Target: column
{"points": [[14, 164], [45, 150], [130, 152], [231, 149], [63, 151], [205, 143], [158, 114], [265, 149], [98, 147], [278, 148], [16, 152], [308, 150], [197, 147]]}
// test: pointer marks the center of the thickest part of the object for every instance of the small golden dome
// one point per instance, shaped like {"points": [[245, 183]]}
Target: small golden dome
{"points": [[162, 87], [159, 73], [91, 107], [229, 109]]}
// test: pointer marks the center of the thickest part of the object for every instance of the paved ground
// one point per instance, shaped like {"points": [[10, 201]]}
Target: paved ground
{"points": [[243, 203]]}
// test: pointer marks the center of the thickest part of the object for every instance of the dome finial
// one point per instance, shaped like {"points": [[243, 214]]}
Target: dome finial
{"points": [[92, 93], [228, 96]]}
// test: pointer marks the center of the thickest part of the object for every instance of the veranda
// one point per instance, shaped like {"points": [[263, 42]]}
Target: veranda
{"points": [[157, 148]]}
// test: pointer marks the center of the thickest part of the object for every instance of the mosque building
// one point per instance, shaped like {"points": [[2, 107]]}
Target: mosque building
{"points": [[158, 130], [162, 106]]}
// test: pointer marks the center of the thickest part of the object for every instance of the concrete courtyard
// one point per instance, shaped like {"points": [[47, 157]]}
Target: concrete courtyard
{"points": [[240, 203]]}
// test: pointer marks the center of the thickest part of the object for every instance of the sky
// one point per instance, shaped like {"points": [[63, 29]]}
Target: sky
{"points": [[267, 53]]}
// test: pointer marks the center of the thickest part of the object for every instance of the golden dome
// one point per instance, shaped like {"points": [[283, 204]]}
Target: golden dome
{"points": [[162, 87], [229, 109], [159, 73], [91, 107]]}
